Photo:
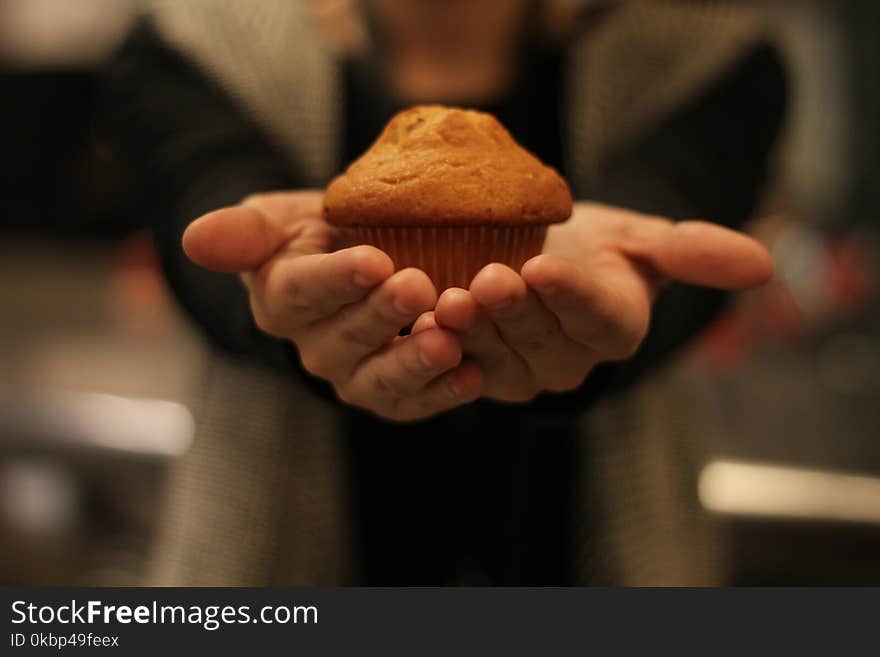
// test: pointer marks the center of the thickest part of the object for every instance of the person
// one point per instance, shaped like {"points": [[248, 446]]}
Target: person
{"points": [[459, 435]]}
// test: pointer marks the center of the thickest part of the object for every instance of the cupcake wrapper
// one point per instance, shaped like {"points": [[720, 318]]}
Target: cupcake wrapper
{"points": [[452, 255]]}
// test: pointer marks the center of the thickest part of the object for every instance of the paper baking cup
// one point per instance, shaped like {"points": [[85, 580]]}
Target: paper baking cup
{"points": [[452, 255]]}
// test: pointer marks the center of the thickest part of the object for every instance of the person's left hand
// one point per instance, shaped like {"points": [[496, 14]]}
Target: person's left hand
{"points": [[587, 298]]}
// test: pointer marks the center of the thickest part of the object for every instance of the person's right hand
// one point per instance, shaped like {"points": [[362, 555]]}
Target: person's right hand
{"points": [[342, 309]]}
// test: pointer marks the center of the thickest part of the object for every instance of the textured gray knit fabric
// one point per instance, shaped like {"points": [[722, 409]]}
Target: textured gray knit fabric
{"points": [[640, 522], [260, 499], [269, 56]]}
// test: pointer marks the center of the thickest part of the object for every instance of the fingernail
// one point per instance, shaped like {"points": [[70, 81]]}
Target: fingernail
{"points": [[363, 281]]}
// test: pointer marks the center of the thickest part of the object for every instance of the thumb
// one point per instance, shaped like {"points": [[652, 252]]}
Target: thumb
{"points": [[702, 253], [244, 236], [238, 238]]}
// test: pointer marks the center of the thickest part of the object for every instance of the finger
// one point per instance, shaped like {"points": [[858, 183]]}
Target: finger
{"points": [[243, 237], [424, 322], [462, 385], [529, 328], [507, 375], [299, 290], [332, 347], [609, 315], [700, 253], [459, 311], [403, 368]]}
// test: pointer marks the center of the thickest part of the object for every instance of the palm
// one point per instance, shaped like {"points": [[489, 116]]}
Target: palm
{"points": [[587, 297], [595, 241], [248, 236]]}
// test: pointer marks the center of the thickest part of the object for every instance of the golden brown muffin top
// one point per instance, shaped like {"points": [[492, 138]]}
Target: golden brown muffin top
{"points": [[435, 165]]}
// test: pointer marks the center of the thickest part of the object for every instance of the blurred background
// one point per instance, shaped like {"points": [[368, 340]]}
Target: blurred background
{"points": [[774, 412]]}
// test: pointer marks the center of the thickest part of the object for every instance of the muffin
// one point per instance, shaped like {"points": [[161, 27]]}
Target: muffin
{"points": [[448, 191]]}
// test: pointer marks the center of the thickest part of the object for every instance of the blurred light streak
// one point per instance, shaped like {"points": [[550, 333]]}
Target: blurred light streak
{"points": [[783, 492], [141, 427]]}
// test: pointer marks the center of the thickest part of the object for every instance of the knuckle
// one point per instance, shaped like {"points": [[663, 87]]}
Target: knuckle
{"points": [[382, 391], [295, 296], [517, 314], [606, 321], [412, 368], [344, 394], [381, 313], [496, 363], [265, 322], [537, 341], [387, 390], [315, 362], [382, 385], [286, 289], [355, 335], [616, 324]]}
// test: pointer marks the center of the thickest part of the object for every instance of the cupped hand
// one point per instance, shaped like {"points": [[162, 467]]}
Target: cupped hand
{"points": [[343, 309], [587, 298]]}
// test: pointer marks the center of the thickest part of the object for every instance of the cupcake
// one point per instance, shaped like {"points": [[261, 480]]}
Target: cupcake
{"points": [[448, 191]]}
